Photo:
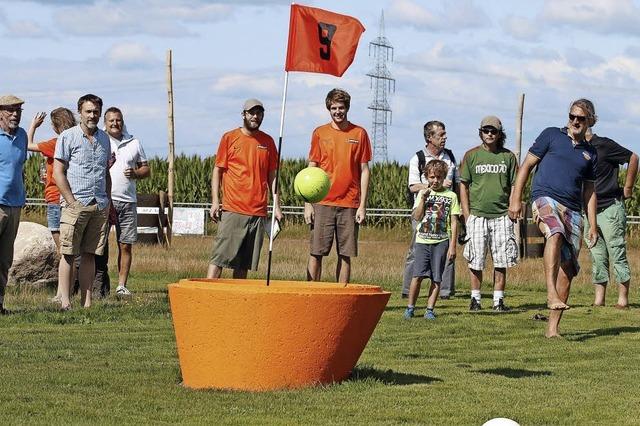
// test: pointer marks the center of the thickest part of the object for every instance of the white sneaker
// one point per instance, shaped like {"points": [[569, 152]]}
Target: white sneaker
{"points": [[122, 291]]}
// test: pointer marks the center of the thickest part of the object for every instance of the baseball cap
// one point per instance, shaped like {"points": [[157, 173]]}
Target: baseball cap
{"points": [[491, 121], [8, 100], [252, 103]]}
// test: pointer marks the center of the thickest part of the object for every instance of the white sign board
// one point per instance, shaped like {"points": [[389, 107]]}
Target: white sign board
{"points": [[188, 221]]}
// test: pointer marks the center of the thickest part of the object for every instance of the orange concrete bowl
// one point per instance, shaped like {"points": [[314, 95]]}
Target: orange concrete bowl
{"points": [[241, 334]]}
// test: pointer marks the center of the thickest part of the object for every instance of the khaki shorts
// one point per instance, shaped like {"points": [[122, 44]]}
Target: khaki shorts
{"points": [[329, 221], [83, 229], [238, 242]]}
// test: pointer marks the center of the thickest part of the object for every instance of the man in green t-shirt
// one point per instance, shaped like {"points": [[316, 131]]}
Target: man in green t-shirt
{"points": [[487, 175]]}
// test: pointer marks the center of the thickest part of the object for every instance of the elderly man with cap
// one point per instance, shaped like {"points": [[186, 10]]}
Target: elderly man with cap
{"points": [[13, 153], [245, 167], [487, 176]]}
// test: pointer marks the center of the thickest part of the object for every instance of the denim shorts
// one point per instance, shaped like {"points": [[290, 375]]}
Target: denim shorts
{"points": [[54, 212], [127, 221]]}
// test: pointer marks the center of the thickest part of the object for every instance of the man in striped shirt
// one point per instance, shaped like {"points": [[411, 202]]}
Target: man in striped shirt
{"points": [[82, 174]]}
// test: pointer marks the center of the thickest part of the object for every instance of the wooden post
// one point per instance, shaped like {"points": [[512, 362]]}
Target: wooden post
{"points": [[171, 156], [523, 244], [519, 127]]}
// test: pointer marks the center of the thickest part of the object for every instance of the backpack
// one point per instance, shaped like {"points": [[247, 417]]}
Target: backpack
{"points": [[422, 162]]}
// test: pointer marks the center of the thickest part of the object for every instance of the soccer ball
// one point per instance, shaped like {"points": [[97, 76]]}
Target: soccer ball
{"points": [[312, 184]]}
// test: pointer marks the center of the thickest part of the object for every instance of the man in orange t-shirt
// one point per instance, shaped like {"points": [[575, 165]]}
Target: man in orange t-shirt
{"points": [[246, 165], [343, 150]]}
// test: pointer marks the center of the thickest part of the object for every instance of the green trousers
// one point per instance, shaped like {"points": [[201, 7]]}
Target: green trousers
{"points": [[611, 248]]}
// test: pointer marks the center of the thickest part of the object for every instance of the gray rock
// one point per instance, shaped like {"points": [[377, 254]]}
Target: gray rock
{"points": [[35, 261]]}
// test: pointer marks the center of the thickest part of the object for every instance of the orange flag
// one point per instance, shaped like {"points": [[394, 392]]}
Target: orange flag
{"points": [[321, 41]]}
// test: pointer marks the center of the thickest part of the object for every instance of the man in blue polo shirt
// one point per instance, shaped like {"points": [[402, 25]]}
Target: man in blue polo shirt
{"points": [[563, 183], [13, 152]]}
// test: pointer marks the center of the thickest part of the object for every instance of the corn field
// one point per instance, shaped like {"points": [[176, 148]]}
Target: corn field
{"points": [[193, 177]]}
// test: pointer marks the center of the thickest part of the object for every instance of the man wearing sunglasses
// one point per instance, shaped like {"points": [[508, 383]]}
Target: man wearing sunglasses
{"points": [[611, 217], [13, 153], [487, 175], [564, 183]]}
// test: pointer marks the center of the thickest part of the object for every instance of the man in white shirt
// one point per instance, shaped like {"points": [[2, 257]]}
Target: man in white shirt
{"points": [[130, 164], [435, 136]]}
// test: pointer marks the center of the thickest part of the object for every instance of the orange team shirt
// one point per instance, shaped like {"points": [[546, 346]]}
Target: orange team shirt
{"points": [[340, 153], [51, 193], [246, 162]]}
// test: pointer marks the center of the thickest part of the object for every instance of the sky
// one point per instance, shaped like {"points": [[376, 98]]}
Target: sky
{"points": [[454, 61]]}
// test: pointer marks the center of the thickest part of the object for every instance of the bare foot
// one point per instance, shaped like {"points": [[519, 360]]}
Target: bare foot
{"points": [[557, 305], [621, 306], [555, 335]]}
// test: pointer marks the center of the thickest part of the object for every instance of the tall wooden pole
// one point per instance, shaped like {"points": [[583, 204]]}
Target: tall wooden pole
{"points": [[519, 127], [520, 224], [171, 158]]}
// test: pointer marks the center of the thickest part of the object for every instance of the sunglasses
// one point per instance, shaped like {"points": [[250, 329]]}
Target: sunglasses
{"points": [[11, 110], [489, 131], [580, 118]]}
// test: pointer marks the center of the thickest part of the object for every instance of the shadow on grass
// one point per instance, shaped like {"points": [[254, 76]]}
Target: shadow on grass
{"points": [[586, 335], [389, 377], [514, 373]]}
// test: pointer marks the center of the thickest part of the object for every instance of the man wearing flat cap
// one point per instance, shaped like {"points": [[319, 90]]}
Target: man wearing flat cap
{"points": [[13, 153], [245, 168], [487, 176]]}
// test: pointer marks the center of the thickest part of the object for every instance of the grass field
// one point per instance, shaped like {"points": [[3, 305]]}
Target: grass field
{"points": [[117, 362]]}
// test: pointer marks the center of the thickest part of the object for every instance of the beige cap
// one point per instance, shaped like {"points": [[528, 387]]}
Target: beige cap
{"points": [[491, 121], [252, 103], [8, 100]]}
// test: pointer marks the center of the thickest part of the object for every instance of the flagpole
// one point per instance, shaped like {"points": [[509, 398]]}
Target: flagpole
{"points": [[277, 179]]}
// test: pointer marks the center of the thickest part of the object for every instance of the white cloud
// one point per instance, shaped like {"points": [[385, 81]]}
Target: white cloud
{"points": [[24, 28], [604, 16], [160, 19], [249, 84], [455, 16], [521, 28], [131, 55]]}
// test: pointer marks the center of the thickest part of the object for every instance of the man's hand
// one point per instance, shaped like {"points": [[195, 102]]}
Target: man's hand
{"points": [[278, 213], [215, 212], [308, 213], [360, 214], [593, 237], [515, 210], [130, 173], [447, 183], [627, 192], [451, 253]]}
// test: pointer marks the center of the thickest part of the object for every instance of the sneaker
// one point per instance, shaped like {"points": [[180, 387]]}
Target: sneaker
{"points": [[408, 313], [474, 305], [430, 315], [501, 307], [122, 291]]}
